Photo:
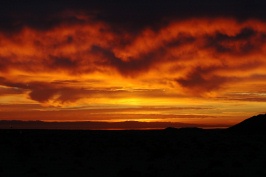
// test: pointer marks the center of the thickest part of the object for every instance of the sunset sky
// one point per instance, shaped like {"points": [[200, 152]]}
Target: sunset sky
{"points": [[200, 62]]}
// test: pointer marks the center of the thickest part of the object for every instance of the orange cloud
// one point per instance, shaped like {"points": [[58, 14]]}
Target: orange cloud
{"points": [[88, 61]]}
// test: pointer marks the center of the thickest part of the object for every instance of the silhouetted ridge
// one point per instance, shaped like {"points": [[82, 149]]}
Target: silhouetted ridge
{"points": [[253, 124], [170, 129]]}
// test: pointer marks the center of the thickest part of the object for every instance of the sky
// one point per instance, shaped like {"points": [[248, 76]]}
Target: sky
{"points": [[199, 62]]}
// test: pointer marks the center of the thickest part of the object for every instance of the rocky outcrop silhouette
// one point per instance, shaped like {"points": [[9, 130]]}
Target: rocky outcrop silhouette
{"points": [[255, 124]]}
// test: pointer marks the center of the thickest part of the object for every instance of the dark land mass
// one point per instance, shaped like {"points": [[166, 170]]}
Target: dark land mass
{"points": [[255, 124], [236, 151], [90, 125]]}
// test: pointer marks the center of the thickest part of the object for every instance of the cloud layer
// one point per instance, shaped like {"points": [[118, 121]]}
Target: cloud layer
{"points": [[84, 55], [194, 57]]}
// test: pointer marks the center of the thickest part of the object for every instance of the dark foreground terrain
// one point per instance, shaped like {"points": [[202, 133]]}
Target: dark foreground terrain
{"points": [[154, 153]]}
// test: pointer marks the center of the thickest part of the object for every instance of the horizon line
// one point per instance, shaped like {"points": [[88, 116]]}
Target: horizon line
{"points": [[101, 125]]}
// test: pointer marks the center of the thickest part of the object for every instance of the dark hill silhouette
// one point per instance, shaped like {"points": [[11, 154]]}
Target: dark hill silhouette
{"points": [[253, 124], [171, 129], [183, 152]]}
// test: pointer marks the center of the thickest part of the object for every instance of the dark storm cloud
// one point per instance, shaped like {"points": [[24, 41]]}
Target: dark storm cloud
{"points": [[200, 80], [246, 41], [6, 82], [62, 62], [199, 46], [43, 91], [127, 68], [59, 92], [4, 63], [132, 15]]}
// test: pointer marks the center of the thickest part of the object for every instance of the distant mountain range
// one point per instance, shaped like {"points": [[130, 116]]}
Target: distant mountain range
{"points": [[253, 124], [89, 125]]}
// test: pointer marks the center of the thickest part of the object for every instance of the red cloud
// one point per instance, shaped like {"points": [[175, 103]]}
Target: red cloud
{"points": [[199, 55]]}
